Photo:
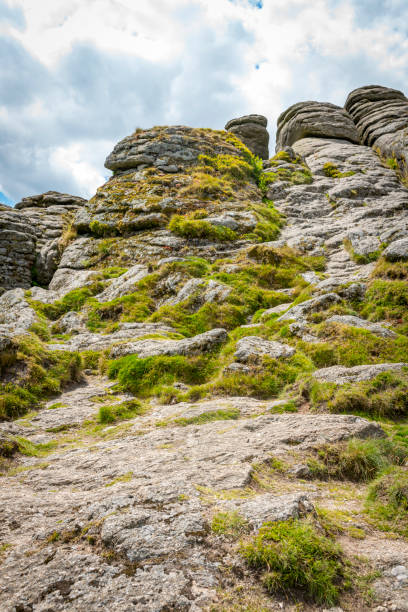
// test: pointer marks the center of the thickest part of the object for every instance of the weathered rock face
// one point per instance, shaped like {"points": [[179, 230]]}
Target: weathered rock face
{"points": [[251, 129], [204, 305], [314, 119], [17, 249], [30, 234], [381, 117]]}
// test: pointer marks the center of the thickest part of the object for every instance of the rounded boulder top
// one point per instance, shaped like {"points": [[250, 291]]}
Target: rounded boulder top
{"points": [[251, 130], [260, 119], [318, 119], [379, 113]]}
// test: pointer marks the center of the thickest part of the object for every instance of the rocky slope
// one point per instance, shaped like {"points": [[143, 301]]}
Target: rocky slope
{"points": [[212, 350]]}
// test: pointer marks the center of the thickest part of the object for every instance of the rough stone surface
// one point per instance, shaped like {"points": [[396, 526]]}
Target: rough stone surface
{"points": [[253, 348], [16, 315], [314, 119], [374, 328], [381, 116], [397, 250], [188, 346], [341, 375], [251, 129]]}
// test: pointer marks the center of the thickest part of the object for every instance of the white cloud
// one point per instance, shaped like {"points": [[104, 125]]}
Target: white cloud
{"points": [[80, 75]]}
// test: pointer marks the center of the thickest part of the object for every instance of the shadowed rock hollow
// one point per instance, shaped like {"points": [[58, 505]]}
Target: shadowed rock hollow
{"points": [[214, 341]]}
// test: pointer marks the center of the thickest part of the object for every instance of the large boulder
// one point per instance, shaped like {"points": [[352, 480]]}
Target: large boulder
{"points": [[251, 129], [319, 119], [30, 237], [381, 117]]}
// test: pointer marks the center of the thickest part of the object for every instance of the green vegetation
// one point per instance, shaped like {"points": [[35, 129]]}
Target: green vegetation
{"points": [[189, 226], [351, 346], [361, 259], [124, 478], [387, 501], [229, 414], [38, 373], [230, 524], [387, 300], [121, 412], [331, 171], [74, 300], [385, 396], [293, 557], [358, 460], [392, 163], [147, 376]]}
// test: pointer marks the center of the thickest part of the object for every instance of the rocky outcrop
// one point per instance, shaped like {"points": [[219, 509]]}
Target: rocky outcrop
{"points": [[322, 120], [30, 237], [188, 346], [381, 117], [341, 375], [251, 130], [166, 148], [180, 253], [17, 250]]}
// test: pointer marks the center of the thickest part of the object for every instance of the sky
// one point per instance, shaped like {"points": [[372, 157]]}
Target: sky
{"points": [[76, 76]]}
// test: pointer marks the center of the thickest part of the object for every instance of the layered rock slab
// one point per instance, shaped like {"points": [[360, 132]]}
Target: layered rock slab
{"points": [[381, 116]]}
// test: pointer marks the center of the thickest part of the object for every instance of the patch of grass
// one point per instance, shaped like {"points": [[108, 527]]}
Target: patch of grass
{"points": [[357, 257], [229, 524], [385, 396], [331, 171], [387, 501], [121, 412], [145, 377], [387, 300], [25, 447], [124, 478], [267, 381], [209, 417], [37, 373], [294, 558], [72, 301], [351, 346], [188, 226], [358, 460]]}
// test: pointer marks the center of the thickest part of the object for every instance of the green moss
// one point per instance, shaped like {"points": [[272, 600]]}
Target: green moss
{"points": [[392, 163], [189, 227], [123, 478], [331, 171], [294, 558], [121, 412], [102, 229]]}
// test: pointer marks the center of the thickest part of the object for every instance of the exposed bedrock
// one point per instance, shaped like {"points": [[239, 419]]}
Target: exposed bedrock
{"points": [[319, 119], [251, 129], [30, 237], [381, 117]]}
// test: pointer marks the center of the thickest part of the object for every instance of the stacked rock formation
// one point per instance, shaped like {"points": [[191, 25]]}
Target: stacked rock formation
{"points": [[314, 119], [210, 290], [251, 129], [30, 235], [381, 117]]}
